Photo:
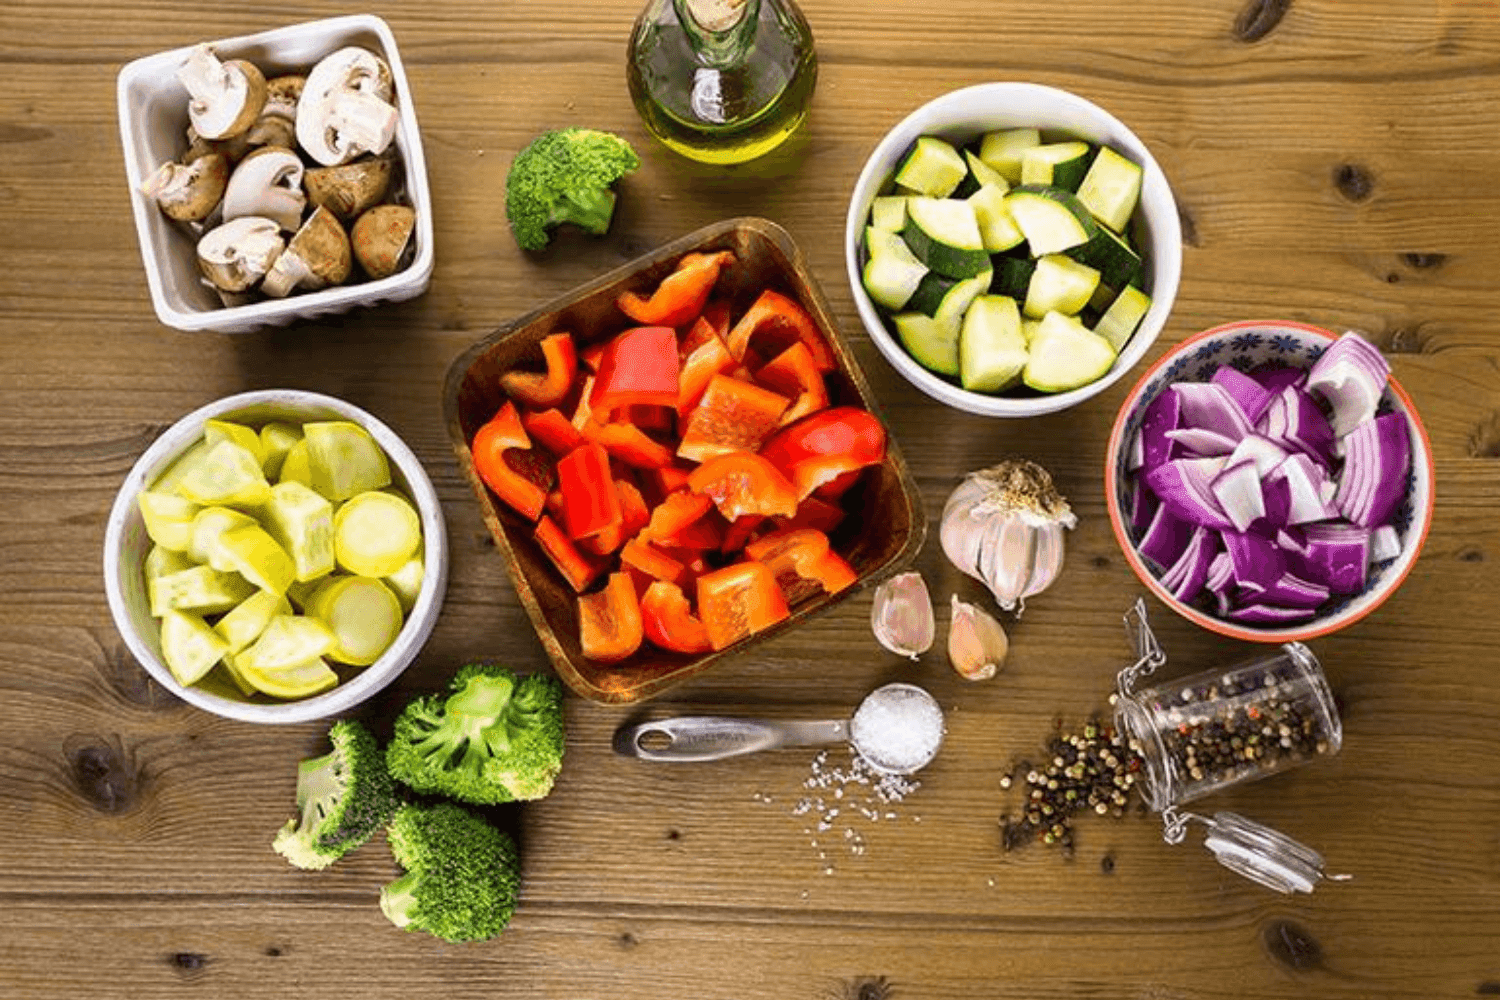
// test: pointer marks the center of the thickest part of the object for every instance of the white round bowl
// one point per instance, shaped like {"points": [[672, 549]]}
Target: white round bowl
{"points": [[962, 115], [1245, 345], [126, 545]]}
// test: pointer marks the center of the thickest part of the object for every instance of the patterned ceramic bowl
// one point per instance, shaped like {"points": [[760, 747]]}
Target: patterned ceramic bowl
{"points": [[1246, 345]]}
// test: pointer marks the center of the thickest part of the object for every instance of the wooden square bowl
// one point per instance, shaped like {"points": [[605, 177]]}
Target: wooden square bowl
{"points": [[882, 531]]}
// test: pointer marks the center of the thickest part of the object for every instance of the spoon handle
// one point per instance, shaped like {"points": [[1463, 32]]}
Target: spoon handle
{"points": [[708, 737]]}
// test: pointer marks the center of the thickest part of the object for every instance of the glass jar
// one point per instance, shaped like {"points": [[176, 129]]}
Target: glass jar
{"points": [[721, 81], [1221, 728]]}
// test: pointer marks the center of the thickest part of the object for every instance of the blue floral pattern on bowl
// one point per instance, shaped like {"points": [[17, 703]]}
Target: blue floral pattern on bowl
{"points": [[1245, 348]]}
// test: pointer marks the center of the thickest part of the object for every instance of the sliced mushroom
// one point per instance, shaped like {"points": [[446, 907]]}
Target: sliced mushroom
{"points": [[226, 96], [380, 238], [282, 94], [316, 257], [237, 254], [349, 188], [188, 192], [345, 109], [267, 183]]}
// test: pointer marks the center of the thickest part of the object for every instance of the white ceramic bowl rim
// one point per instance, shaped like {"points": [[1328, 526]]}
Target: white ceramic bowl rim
{"points": [[1016, 100], [1421, 491], [371, 679]]}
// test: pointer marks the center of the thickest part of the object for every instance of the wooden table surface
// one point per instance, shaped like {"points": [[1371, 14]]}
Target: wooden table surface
{"points": [[1335, 162]]}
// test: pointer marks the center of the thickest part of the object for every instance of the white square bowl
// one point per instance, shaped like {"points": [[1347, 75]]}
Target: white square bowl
{"points": [[153, 125]]}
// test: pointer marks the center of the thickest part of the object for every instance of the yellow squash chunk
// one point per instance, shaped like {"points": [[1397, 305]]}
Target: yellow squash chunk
{"points": [[301, 521], [227, 474], [294, 468], [247, 620], [201, 589], [237, 676], [161, 561], [363, 615], [288, 641], [301, 591], [344, 459], [256, 556], [276, 440], [189, 646], [406, 582], [298, 681], [168, 480], [215, 431], [375, 533], [169, 519], [206, 545]]}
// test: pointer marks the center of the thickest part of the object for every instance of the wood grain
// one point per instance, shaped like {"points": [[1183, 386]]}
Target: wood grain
{"points": [[1335, 162]]}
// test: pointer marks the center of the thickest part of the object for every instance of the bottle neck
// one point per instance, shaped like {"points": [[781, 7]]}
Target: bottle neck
{"points": [[720, 31]]}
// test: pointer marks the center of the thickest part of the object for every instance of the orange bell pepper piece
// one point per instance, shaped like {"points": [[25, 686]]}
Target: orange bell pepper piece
{"points": [[590, 503], [549, 388], [739, 601], [681, 295], [551, 430], [743, 483], [629, 444], [821, 448], [674, 513], [794, 374], [803, 552], [706, 358], [609, 620], [732, 416], [519, 482], [652, 561], [776, 315], [578, 568], [668, 621]]}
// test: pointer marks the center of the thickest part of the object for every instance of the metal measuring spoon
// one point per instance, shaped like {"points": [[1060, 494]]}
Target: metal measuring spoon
{"points": [[712, 737]]}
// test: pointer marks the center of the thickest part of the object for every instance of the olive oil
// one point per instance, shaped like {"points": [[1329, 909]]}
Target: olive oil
{"points": [[722, 81]]}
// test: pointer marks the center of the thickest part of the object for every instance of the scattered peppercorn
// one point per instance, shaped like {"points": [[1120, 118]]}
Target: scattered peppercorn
{"points": [[1094, 769]]}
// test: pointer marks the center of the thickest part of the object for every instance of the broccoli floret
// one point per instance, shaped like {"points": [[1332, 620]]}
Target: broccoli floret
{"points": [[496, 737], [462, 874], [565, 176], [343, 797]]}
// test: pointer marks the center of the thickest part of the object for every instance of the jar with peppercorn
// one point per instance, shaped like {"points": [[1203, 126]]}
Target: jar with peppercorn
{"points": [[1221, 728]]}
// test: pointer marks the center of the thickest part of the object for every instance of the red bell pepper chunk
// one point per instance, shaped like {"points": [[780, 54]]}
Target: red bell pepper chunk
{"points": [[657, 484], [675, 513], [629, 444], [681, 295], [609, 621], [813, 512], [820, 448], [580, 569], [549, 388], [668, 621], [703, 535], [633, 517], [739, 601], [638, 366], [741, 530], [590, 503], [707, 358], [743, 483], [805, 553], [794, 374], [733, 416], [521, 483], [551, 430], [653, 561], [775, 315]]}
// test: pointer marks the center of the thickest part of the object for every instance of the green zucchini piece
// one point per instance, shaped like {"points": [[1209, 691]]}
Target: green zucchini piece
{"points": [[1060, 164], [933, 344], [943, 233], [1120, 320], [1003, 150], [997, 229], [1111, 189], [1065, 354], [1052, 219], [991, 349], [1059, 284], [932, 168], [983, 173], [888, 212], [891, 272], [1112, 256], [1012, 275]]}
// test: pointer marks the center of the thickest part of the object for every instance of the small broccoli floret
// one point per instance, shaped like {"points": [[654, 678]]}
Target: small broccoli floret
{"points": [[565, 176], [462, 874], [495, 737], [343, 797]]}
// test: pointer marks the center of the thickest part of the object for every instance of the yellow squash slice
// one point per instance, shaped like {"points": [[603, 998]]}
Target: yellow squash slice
{"points": [[189, 646], [301, 521], [406, 582], [215, 431], [254, 554], [363, 615], [201, 589], [206, 544], [169, 518], [227, 474], [247, 620], [375, 534], [344, 460], [298, 681], [276, 441], [288, 641]]}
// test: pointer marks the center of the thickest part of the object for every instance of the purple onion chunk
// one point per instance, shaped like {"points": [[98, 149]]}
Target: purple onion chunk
{"points": [[1249, 395]]}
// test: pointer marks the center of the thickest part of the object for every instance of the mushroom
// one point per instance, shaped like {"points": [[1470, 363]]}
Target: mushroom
{"points": [[267, 183], [345, 107], [348, 189], [188, 192], [380, 238], [237, 254], [316, 257], [282, 94], [226, 96]]}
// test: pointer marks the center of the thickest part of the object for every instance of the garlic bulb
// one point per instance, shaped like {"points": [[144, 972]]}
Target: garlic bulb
{"points": [[976, 643], [902, 615], [1003, 526]]}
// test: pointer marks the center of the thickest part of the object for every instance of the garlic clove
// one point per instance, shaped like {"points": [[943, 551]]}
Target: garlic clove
{"points": [[1005, 559], [1047, 563], [977, 645], [902, 617]]}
